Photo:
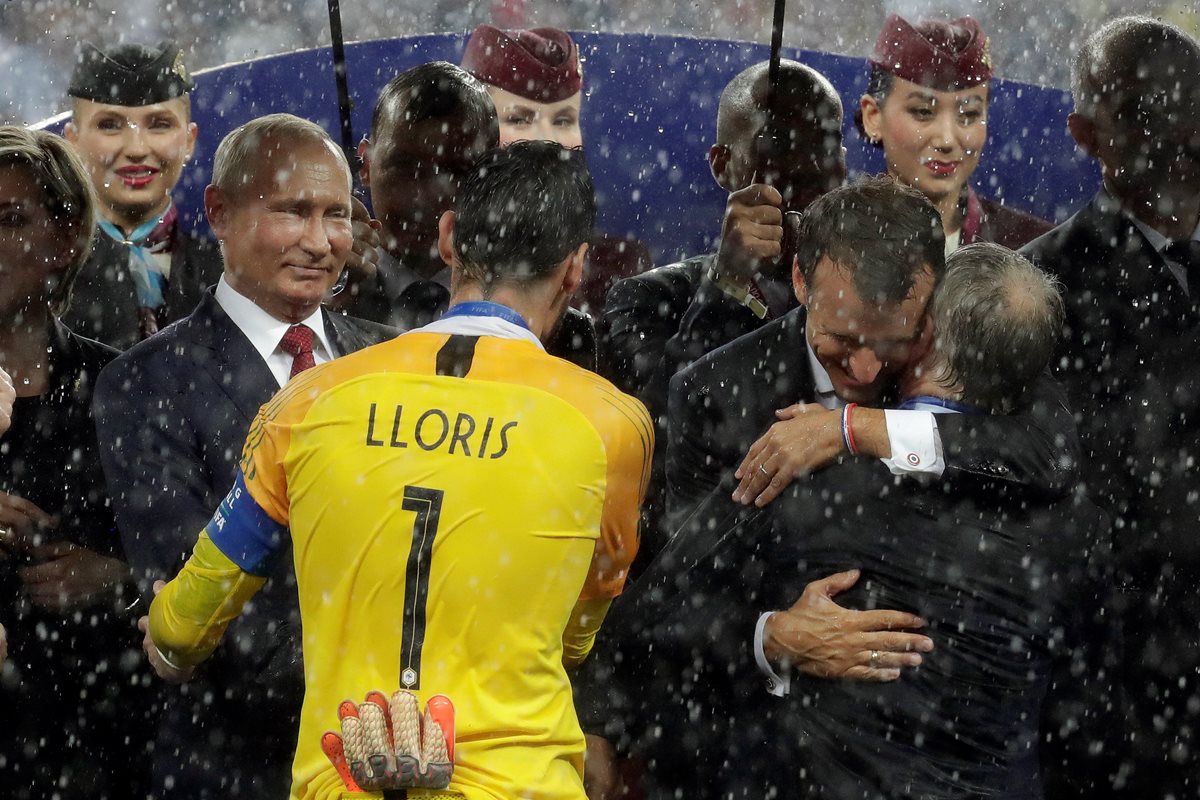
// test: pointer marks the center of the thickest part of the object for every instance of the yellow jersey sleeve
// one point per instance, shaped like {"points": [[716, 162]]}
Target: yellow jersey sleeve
{"points": [[191, 613], [625, 427]]}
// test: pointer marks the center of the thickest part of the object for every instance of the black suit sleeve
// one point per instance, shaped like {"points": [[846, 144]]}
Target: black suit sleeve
{"points": [[152, 461], [574, 339], [1083, 716], [711, 320], [640, 315], [658, 323], [693, 467], [1038, 449], [367, 300]]}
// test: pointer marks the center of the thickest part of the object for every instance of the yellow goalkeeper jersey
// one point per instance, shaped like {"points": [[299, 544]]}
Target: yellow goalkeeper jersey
{"points": [[462, 509]]}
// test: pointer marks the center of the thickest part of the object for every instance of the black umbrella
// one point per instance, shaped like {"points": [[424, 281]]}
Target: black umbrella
{"points": [[772, 139]]}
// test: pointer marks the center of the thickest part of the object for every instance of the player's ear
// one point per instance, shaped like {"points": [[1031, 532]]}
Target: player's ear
{"points": [[446, 238], [574, 274]]}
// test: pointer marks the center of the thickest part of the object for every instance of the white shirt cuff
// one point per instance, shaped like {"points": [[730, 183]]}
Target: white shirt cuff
{"points": [[916, 445], [775, 685]]}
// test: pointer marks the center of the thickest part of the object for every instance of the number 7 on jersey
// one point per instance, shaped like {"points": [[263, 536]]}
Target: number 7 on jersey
{"points": [[427, 503]]}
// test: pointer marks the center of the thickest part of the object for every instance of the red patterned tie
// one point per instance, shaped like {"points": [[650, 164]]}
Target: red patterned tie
{"points": [[298, 341]]}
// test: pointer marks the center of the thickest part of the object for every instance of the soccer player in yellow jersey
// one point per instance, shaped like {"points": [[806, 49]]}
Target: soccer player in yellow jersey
{"points": [[462, 506]]}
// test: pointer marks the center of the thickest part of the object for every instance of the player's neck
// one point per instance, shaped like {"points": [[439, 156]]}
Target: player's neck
{"points": [[535, 309]]}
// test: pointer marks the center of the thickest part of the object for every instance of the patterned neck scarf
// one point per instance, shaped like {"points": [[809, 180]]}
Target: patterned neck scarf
{"points": [[151, 237]]}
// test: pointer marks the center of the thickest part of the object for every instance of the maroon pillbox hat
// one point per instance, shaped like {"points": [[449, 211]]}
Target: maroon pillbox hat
{"points": [[540, 64], [947, 56]]}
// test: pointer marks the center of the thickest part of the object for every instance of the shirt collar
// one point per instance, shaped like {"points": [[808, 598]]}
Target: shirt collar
{"points": [[262, 329], [937, 405], [822, 384]]}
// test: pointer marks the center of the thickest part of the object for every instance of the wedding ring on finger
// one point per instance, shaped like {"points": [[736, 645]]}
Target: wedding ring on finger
{"points": [[763, 470], [874, 660]]}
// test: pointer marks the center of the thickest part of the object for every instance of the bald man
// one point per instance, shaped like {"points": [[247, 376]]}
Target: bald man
{"points": [[660, 321], [1130, 264]]}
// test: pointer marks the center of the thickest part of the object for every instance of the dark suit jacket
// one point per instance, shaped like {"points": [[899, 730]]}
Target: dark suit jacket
{"points": [[723, 402], [104, 302], [660, 321], [1129, 363], [172, 415], [1005, 580], [655, 324]]}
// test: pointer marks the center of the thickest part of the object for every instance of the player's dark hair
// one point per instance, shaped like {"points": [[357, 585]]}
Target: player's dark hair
{"points": [[437, 90], [881, 232], [523, 210]]}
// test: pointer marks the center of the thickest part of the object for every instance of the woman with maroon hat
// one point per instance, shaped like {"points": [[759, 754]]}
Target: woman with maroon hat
{"points": [[534, 79], [536, 82], [926, 105]]}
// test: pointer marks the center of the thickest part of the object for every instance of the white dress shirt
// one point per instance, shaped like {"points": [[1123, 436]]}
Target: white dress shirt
{"points": [[265, 332]]}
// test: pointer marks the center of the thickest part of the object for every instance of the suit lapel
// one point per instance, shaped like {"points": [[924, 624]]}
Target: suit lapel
{"points": [[783, 368], [344, 337], [227, 356], [1138, 275]]}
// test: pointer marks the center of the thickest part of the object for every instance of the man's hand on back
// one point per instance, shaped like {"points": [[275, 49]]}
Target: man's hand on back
{"points": [[824, 640], [806, 438]]}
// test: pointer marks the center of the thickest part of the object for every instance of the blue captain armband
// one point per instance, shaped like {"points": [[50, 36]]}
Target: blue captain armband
{"points": [[244, 532]]}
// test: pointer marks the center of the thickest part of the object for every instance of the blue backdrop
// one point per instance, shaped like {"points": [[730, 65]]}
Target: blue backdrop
{"points": [[649, 116]]}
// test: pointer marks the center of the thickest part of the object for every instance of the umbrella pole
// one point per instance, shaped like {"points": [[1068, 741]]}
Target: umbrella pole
{"points": [[339, 76]]}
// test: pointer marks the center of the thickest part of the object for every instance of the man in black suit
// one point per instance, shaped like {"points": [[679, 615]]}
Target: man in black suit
{"points": [[431, 123], [863, 323], [1003, 578], [172, 414], [131, 121], [660, 321], [1130, 264], [429, 126]]}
